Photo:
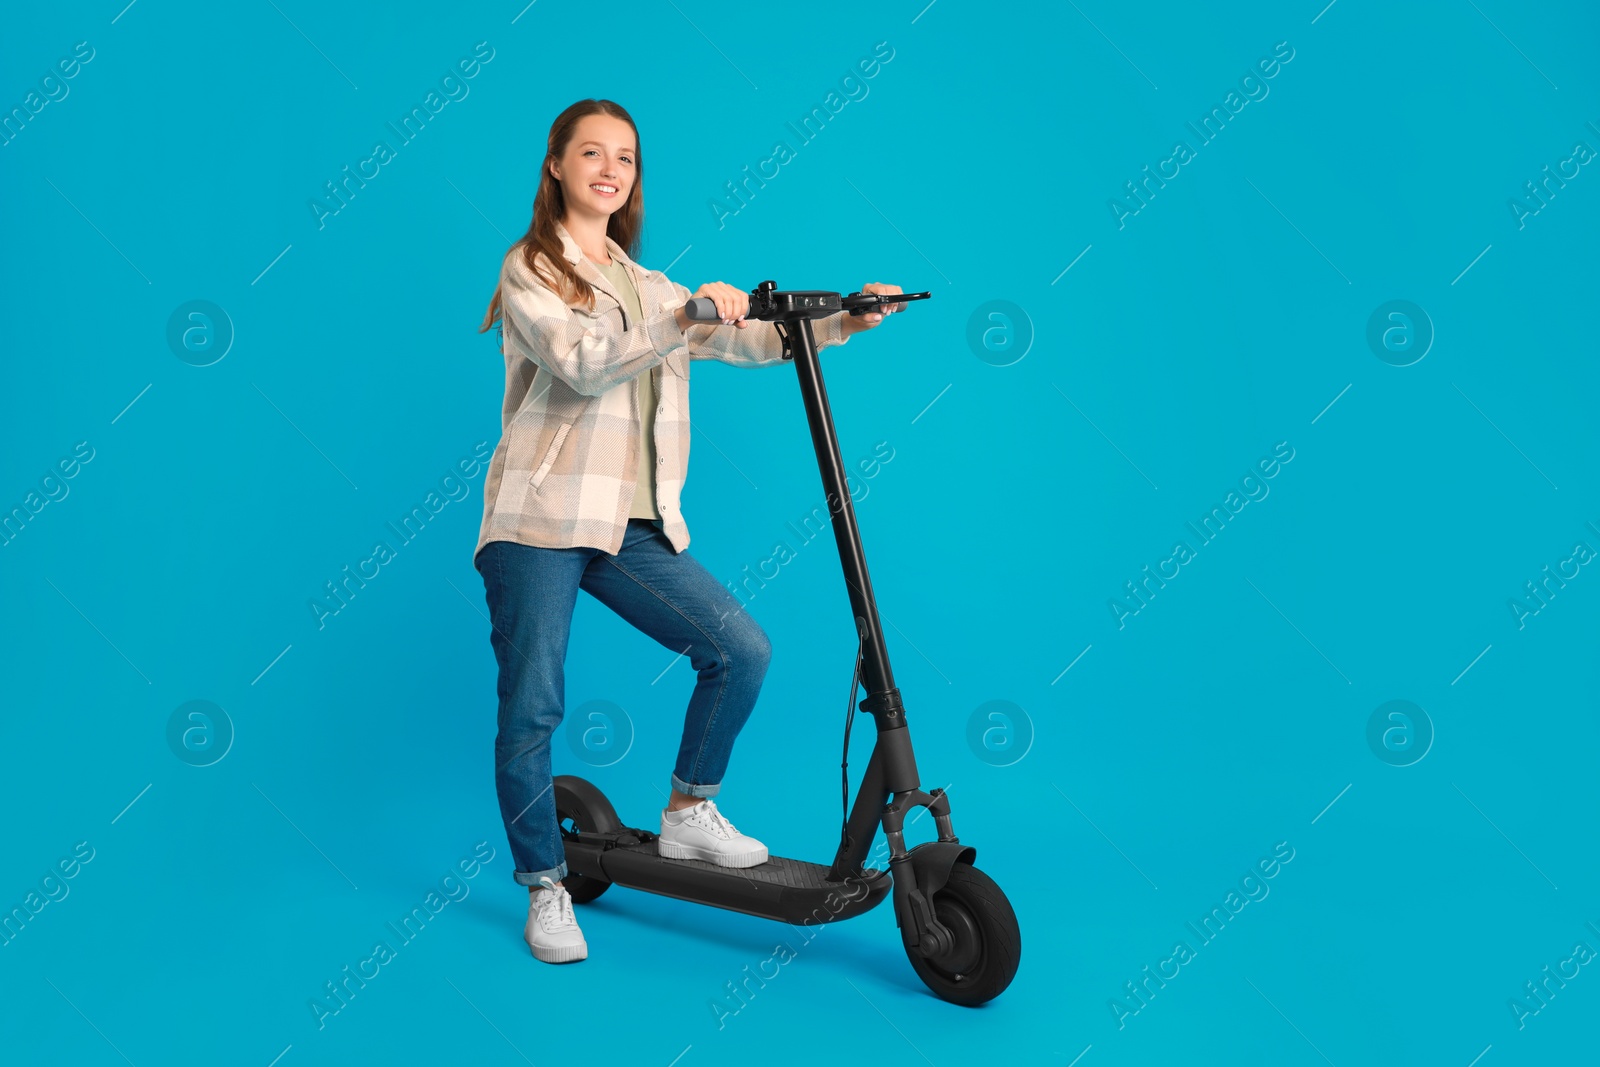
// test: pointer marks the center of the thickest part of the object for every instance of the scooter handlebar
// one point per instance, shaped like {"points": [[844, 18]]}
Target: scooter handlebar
{"points": [[767, 304]]}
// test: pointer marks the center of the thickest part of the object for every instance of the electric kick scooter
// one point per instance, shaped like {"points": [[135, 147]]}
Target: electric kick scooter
{"points": [[958, 929]]}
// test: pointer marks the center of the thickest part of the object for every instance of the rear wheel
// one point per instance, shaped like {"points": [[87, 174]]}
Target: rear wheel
{"points": [[988, 942], [581, 806]]}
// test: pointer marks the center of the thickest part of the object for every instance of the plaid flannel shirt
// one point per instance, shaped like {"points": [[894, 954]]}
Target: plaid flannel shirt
{"points": [[565, 470]]}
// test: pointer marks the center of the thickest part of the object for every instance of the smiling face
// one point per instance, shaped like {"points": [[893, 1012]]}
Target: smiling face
{"points": [[599, 168]]}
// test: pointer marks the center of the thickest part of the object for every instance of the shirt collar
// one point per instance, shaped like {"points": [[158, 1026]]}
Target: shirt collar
{"points": [[574, 254], [589, 271]]}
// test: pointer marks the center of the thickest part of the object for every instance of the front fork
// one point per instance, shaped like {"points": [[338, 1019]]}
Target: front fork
{"points": [[919, 872], [922, 871]]}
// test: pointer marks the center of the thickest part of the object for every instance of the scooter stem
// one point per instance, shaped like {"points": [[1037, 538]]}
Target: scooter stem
{"points": [[893, 766], [877, 676]]}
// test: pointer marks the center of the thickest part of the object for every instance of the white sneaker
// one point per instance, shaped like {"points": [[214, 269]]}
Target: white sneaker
{"points": [[552, 932], [703, 833]]}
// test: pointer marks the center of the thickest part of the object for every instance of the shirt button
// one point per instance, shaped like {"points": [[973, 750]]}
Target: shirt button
{"points": [[662, 410], [661, 462]]}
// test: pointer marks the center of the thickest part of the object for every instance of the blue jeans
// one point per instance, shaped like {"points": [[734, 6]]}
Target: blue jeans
{"points": [[668, 595]]}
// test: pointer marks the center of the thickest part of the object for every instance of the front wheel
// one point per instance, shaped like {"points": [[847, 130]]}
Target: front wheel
{"points": [[988, 942]]}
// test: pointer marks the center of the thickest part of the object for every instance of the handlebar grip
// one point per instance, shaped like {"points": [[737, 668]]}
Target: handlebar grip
{"points": [[701, 309]]}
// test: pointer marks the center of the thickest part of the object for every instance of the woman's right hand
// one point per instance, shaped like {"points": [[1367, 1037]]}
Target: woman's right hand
{"points": [[732, 305]]}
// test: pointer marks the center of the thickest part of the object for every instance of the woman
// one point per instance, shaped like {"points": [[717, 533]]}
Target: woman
{"points": [[582, 493]]}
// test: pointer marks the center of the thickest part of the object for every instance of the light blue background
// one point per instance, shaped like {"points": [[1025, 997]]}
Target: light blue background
{"points": [[1224, 718]]}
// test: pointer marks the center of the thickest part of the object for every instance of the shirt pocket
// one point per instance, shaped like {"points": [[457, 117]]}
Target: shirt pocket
{"points": [[606, 310], [550, 453], [609, 308]]}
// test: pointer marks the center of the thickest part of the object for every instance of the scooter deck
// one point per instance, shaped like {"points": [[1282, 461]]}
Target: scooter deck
{"points": [[792, 891]]}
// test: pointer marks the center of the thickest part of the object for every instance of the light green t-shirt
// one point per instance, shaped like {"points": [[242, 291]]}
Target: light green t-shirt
{"points": [[644, 497]]}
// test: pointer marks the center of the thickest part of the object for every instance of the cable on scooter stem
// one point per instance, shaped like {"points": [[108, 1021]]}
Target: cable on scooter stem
{"points": [[844, 765]]}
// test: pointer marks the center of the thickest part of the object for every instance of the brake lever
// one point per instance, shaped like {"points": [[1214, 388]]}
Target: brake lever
{"points": [[861, 303]]}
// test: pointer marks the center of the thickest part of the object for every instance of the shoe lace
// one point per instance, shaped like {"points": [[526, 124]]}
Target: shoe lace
{"points": [[555, 898], [717, 822]]}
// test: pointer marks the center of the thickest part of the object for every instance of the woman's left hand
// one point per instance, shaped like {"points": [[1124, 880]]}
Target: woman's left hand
{"points": [[855, 324]]}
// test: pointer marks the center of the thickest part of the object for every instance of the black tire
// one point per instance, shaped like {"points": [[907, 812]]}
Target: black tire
{"points": [[988, 941], [581, 806]]}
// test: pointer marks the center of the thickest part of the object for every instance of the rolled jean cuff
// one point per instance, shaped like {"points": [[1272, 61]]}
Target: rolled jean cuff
{"points": [[555, 874], [694, 790]]}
